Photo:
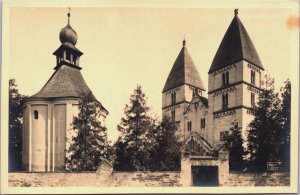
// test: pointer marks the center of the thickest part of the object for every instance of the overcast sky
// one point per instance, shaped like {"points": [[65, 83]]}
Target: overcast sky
{"points": [[124, 47]]}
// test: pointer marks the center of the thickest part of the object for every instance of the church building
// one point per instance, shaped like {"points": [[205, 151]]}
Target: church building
{"points": [[48, 114], [234, 82]]}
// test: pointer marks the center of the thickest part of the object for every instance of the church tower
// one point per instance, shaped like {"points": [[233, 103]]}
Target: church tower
{"points": [[49, 113], [234, 82], [182, 84]]}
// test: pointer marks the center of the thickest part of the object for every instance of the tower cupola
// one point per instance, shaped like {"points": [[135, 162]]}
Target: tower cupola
{"points": [[67, 53]]}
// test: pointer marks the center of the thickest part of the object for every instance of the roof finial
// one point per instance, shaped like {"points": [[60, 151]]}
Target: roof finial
{"points": [[69, 14], [183, 42], [236, 12]]}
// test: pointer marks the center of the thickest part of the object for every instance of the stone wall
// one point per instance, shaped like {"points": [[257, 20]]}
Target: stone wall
{"points": [[141, 179], [124, 179], [257, 179]]}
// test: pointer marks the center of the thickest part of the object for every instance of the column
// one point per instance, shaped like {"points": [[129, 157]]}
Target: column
{"points": [[64, 55]]}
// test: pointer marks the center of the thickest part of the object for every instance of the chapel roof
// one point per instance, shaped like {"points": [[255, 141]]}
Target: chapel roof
{"points": [[183, 71], [67, 80], [236, 45], [64, 82]]}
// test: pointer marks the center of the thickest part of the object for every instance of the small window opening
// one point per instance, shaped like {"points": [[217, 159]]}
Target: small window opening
{"points": [[36, 114]]}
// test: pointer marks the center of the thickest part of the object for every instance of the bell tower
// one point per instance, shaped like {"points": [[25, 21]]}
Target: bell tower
{"points": [[181, 85], [234, 82], [67, 53]]}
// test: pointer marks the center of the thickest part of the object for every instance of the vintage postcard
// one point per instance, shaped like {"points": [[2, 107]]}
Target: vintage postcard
{"points": [[149, 96]]}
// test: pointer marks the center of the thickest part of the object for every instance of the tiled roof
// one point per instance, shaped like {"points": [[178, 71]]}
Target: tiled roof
{"points": [[65, 82], [183, 71], [235, 46]]}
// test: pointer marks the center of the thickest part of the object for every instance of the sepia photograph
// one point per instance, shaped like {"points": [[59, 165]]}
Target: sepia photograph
{"points": [[149, 97]]}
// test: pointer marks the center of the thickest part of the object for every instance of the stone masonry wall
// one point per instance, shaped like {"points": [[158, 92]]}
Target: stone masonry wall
{"points": [[140, 179]]}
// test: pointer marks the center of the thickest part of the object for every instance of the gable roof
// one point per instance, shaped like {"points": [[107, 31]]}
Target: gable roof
{"points": [[235, 46], [183, 71], [196, 136], [197, 98]]}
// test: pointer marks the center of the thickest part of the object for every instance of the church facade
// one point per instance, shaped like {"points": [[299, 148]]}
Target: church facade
{"points": [[48, 114], [234, 82]]}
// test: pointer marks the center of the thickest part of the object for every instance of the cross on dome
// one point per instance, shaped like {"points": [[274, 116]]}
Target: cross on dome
{"points": [[68, 34], [236, 12]]}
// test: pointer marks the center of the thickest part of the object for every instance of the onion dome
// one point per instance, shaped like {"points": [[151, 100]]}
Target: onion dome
{"points": [[67, 34]]}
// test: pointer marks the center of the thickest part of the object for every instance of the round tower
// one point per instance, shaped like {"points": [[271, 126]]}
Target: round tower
{"points": [[48, 114]]}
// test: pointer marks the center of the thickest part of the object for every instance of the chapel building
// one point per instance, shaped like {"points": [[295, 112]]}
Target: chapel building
{"points": [[48, 114]]}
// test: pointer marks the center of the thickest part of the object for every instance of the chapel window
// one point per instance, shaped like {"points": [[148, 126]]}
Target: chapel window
{"points": [[36, 114]]}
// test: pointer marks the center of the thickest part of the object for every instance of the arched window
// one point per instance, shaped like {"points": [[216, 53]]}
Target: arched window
{"points": [[253, 77], [225, 78], [36, 114], [173, 115], [173, 97], [189, 125], [225, 100], [252, 100], [202, 124]]}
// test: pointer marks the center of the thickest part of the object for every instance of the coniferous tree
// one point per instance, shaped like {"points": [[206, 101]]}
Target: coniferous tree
{"points": [[165, 154], [16, 101], [132, 146], [286, 123], [89, 144], [263, 136], [234, 142]]}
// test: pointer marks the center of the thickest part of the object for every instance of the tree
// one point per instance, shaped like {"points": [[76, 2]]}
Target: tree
{"points": [[132, 146], [165, 154], [90, 144], [234, 143], [263, 137], [16, 101], [286, 123]]}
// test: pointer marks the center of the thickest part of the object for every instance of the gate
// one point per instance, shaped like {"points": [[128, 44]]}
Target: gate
{"points": [[205, 175]]}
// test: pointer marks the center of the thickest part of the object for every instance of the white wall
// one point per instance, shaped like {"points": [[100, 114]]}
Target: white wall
{"points": [[38, 137], [60, 135]]}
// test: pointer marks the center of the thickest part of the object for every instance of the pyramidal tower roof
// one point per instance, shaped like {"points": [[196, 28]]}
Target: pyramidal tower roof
{"points": [[235, 46], [183, 71]]}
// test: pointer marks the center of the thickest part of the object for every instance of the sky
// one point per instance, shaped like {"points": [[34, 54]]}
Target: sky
{"points": [[124, 46]]}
